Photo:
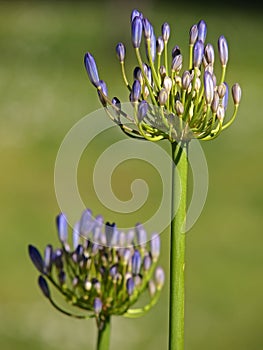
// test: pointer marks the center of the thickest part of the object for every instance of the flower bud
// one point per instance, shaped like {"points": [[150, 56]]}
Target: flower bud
{"points": [[36, 258], [165, 32], [97, 305], [223, 50], [44, 286], [160, 45], [208, 87], [236, 93], [136, 262], [91, 68], [155, 245], [147, 28], [130, 286], [151, 288], [162, 71], [48, 258], [177, 63], [167, 84], [147, 263], [186, 80], [202, 30], [141, 234], [159, 277], [136, 32], [102, 92], [220, 113], [215, 102], [179, 108], [210, 54], [136, 91], [193, 34], [198, 53], [75, 235], [221, 90], [135, 13], [142, 110], [162, 97], [176, 51], [225, 97], [62, 227], [120, 50]]}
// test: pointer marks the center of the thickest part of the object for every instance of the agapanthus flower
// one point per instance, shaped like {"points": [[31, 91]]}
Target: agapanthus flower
{"points": [[100, 269], [171, 99]]}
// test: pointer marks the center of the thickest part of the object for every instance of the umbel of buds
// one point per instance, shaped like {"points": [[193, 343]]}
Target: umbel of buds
{"points": [[103, 271], [171, 99]]}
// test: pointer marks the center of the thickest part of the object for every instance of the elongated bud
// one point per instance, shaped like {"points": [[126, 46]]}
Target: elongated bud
{"points": [[198, 53], [225, 97], [209, 87], [62, 227], [159, 277], [136, 91], [177, 63], [236, 93], [210, 54], [151, 288], [97, 305], [153, 46], [137, 75], [117, 103], [142, 110], [48, 258], [91, 68], [85, 224], [120, 50], [36, 258], [147, 28], [176, 51], [159, 45], [221, 90], [186, 79], [202, 30], [223, 50], [165, 32], [147, 262], [130, 286], [162, 97], [193, 34], [220, 113], [141, 234], [162, 71], [102, 92], [44, 286], [136, 32], [167, 84], [179, 108], [136, 262], [155, 245], [215, 102]]}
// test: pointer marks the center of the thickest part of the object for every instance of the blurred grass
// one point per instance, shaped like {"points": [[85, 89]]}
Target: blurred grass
{"points": [[44, 92]]}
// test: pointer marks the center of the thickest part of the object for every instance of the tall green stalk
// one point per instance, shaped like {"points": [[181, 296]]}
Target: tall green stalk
{"points": [[103, 342], [177, 247]]}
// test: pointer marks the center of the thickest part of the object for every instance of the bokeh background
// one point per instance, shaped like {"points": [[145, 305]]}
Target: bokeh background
{"points": [[44, 91]]}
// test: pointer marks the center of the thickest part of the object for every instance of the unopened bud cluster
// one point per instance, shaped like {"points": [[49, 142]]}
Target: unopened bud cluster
{"points": [[103, 271], [170, 102]]}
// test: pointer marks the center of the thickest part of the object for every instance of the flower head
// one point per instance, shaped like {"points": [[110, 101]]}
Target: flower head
{"points": [[171, 92], [103, 271]]}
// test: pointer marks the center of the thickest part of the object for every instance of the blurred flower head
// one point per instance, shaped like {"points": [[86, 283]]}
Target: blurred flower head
{"points": [[100, 269], [171, 98]]}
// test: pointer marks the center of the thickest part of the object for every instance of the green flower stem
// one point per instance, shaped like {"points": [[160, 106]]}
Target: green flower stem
{"points": [[177, 247], [104, 336]]}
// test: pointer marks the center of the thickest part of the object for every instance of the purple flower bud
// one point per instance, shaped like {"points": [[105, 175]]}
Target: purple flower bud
{"points": [[44, 286], [62, 277], [198, 53], [179, 108], [147, 28], [97, 305], [193, 34], [177, 63], [159, 277], [141, 234], [91, 68], [120, 50], [75, 235], [155, 245], [236, 93], [85, 225], [165, 32], [130, 286], [223, 50], [160, 45], [209, 87], [142, 110], [215, 102], [186, 79], [135, 13], [225, 97], [62, 227], [102, 91], [126, 256], [202, 30], [162, 97], [137, 74], [113, 270], [57, 258], [110, 232], [152, 46], [210, 54], [147, 262], [136, 32], [136, 262], [48, 258], [136, 91], [151, 288], [36, 258]]}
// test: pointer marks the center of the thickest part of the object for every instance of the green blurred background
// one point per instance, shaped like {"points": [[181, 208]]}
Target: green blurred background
{"points": [[44, 91]]}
